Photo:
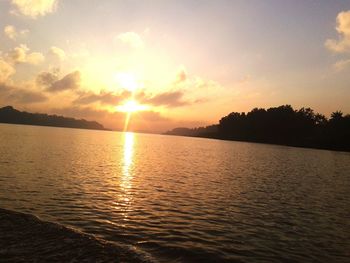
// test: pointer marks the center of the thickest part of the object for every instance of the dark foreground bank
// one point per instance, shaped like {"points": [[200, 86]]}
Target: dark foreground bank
{"points": [[26, 238]]}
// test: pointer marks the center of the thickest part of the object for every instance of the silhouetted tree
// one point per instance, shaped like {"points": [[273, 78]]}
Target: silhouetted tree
{"points": [[281, 125]]}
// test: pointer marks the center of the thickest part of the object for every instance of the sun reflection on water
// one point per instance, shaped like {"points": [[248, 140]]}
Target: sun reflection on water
{"points": [[128, 154], [126, 179]]}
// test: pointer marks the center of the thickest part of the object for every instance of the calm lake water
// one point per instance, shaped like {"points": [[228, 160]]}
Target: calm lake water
{"points": [[182, 199]]}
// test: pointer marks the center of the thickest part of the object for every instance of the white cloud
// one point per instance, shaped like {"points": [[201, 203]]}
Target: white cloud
{"points": [[34, 8], [57, 53], [6, 70], [131, 38], [342, 64], [342, 44], [21, 54], [12, 33], [35, 58]]}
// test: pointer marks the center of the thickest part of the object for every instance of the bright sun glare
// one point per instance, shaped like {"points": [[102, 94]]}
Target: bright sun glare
{"points": [[127, 81], [131, 106]]}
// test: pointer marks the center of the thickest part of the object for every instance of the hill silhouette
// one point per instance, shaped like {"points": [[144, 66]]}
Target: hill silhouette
{"points": [[279, 125], [10, 115]]}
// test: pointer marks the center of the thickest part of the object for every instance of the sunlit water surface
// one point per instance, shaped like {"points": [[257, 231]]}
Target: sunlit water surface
{"points": [[182, 199]]}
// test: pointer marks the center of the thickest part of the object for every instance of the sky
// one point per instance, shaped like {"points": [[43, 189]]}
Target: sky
{"points": [[159, 64]]}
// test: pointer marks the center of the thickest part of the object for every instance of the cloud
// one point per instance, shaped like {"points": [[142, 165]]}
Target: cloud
{"points": [[341, 45], [46, 79], [192, 82], [57, 53], [208, 84], [113, 120], [107, 98], [80, 112], [12, 33], [149, 121], [21, 54], [34, 8], [168, 99], [26, 96], [35, 58], [69, 82], [342, 64], [6, 70], [132, 39], [12, 94], [194, 86], [151, 116], [181, 75]]}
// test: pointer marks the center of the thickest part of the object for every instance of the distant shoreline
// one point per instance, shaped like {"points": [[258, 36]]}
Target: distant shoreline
{"points": [[51, 126], [178, 135], [11, 115], [276, 144]]}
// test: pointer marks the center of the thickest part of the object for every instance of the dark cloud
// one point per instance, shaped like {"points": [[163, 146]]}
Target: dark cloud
{"points": [[46, 79], [12, 94], [169, 99], [107, 98], [69, 82]]}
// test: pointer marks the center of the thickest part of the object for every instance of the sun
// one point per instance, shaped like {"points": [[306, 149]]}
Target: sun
{"points": [[131, 106], [127, 81]]}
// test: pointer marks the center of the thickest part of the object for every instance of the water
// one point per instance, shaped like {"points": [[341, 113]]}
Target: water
{"points": [[182, 199]]}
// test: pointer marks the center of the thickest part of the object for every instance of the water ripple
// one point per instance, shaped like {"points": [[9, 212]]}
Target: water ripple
{"points": [[182, 199]]}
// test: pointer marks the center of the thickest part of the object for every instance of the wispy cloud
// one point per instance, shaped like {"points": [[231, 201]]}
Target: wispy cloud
{"points": [[34, 8], [12, 33], [12, 94], [57, 52], [342, 64], [132, 39], [21, 54], [181, 75], [169, 99], [104, 97], [6, 70]]}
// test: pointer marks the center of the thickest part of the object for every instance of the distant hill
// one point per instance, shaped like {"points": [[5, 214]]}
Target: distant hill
{"points": [[279, 125], [10, 115], [207, 132]]}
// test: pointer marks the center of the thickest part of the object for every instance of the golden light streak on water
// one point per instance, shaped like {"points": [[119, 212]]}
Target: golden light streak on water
{"points": [[126, 178], [127, 120], [128, 152]]}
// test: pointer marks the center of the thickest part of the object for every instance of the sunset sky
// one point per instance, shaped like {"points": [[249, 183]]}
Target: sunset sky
{"points": [[173, 63]]}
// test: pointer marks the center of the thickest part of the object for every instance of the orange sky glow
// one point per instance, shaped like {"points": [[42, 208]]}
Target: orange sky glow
{"points": [[173, 63]]}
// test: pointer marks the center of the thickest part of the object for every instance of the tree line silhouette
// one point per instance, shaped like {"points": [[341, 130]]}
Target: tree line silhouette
{"points": [[280, 125], [10, 115]]}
